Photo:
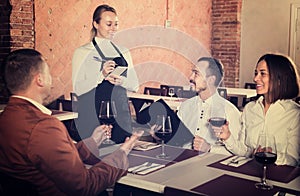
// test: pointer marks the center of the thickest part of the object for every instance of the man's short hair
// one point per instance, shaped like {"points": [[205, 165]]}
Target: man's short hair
{"points": [[19, 68], [215, 67]]}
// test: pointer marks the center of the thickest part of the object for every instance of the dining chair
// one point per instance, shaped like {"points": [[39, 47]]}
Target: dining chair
{"points": [[248, 85], [54, 105], [70, 106], [222, 92], [187, 94], [177, 90], [155, 91], [73, 96]]}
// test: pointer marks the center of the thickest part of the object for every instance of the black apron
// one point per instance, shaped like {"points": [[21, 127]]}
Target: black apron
{"points": [[89, 104]]}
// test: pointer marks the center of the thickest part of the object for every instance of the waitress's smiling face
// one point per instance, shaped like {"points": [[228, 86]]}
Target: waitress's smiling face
{"points": [[107, 26]]}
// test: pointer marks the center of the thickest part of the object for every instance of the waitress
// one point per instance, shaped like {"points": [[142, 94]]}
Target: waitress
{"points": [[93, 80]]}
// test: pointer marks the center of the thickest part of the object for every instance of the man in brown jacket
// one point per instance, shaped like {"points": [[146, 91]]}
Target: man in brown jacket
{"points": [[36, 147]]}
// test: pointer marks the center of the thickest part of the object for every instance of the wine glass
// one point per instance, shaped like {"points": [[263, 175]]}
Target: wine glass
{"points": [[265, 153], [163, 130], [217, 122], [107, 115], [171, 92]]}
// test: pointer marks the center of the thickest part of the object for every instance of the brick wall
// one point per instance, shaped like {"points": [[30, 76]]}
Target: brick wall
{"points": [[16, 30], [22, 24], [5, 10], [226, 37], [216, 24]]}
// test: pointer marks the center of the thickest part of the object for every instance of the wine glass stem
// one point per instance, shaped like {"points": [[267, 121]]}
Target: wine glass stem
{"points": [[264, 175], [163, 147]]}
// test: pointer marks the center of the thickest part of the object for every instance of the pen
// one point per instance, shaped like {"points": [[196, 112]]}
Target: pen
{"points": [[98, 59]]}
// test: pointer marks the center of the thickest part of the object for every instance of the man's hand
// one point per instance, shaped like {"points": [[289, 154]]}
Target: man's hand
{"points": [[222, 132], [200, 144], [130, 142], [101, 133]]}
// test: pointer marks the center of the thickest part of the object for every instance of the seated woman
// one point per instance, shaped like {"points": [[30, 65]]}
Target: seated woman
{"points": [[275, 113]]}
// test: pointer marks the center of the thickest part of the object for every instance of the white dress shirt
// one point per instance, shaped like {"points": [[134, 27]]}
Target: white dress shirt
{"points": [[195, 113], [86, 65], [282, 120], [36, 104]]}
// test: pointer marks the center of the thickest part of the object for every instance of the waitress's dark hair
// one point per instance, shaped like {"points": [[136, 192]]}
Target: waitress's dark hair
{"points": [[97, 16], [284, 81]]}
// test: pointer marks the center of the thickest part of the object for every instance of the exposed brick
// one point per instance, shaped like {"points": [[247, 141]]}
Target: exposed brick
{"points": [[226, 37], [60, 25]]}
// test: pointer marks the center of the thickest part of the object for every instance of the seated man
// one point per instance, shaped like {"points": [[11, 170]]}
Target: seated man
{"points": [[35, 146], [196, 111]]}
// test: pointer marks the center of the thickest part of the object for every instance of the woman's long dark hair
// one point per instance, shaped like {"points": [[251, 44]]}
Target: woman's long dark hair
{"points": [[284, 81]]}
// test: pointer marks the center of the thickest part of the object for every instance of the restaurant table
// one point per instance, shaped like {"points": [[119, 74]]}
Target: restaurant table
{"points": [[61, 115], [173, 102], [247, 93], [203, 174], [64, 115], [240, 93]]}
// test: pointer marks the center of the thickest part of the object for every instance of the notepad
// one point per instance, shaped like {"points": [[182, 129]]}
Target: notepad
{"points": [[119, 70]]}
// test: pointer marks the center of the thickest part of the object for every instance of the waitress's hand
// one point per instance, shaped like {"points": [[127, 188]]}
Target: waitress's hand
{"points": [[114, 79], [108, 67]]}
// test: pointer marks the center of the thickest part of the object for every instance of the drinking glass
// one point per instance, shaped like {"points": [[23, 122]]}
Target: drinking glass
{"points": [[171, 92], [265, 153], [163, 130], [217, 122], [107, 115]]}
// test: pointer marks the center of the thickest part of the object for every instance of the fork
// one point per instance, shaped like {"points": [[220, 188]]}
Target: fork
{"points": [[145, 146], [146, 164], [236, 160]]}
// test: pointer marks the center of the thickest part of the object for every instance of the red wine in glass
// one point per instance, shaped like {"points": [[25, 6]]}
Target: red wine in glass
{"points": [[105, 120], [163, 130], [265, 153], [163, 135], [218, 122], [107, 115], [265, 157]]}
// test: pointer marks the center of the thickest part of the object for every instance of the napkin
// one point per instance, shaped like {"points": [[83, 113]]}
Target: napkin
{"points": [[143, 146], [239, 161], [145, 168]]}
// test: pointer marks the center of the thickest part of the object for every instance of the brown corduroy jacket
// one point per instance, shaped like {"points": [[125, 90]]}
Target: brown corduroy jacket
{"points": [[37, 148]]}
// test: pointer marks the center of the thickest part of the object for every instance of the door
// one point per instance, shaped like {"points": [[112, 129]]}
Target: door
{"points": [[295, 34]]}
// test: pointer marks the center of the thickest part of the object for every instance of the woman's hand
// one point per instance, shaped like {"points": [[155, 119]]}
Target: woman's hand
{"points": [[114, 79], [100, 133], [108, 67]]}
